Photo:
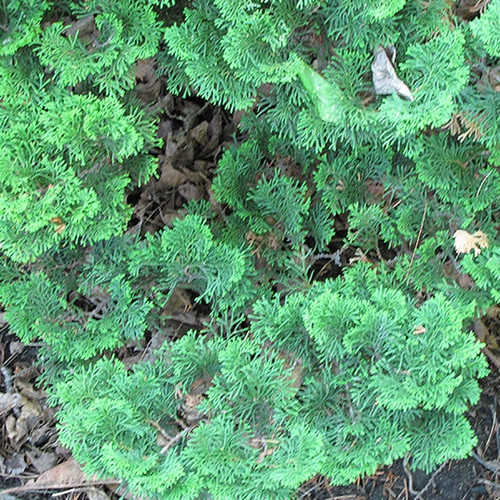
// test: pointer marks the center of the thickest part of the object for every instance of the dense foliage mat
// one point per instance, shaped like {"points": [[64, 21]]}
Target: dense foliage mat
{"points": [[369, 147]]}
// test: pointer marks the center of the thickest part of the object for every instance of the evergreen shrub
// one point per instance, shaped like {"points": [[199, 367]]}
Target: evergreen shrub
{"points": [[369, 140]]}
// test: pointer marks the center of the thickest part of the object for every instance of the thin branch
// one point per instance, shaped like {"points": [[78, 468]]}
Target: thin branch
{"points": [[46, 487], [417, 242]]}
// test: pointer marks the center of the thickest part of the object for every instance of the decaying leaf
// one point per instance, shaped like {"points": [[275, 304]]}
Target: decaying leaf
{"points": [[43, 461], [95, 494], [484, 334], [15, 464], [68, 472], [9, 401], [385, 79], [465, 242], [18, 428]]}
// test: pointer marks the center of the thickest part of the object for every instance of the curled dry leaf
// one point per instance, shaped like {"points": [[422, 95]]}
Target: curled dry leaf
{"points": [[465, 242], [419, 329], [385, 79]]}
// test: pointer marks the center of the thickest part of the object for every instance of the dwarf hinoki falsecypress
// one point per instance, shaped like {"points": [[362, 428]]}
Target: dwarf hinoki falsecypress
{"points": [[336, 172]]}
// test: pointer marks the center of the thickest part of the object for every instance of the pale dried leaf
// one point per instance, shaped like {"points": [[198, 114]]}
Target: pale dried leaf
{"points": [[15, 464], [385, 79], [16, 347], [419, 329], [9, 401], [465, 242], [95, 494], [42, 462]]}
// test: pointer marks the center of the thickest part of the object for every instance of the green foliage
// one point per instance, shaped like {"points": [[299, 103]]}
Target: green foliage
{"points": [[310, 362], [69, 153], [382, 377], [188, 256], [102, 45], [487, 28], [21, 24]]}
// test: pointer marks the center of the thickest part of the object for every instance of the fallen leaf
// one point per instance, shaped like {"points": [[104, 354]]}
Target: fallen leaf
{"points": [[84, 27], [15, 464], [147, 83], [95, 494], [484, 335], [385, 79], [16, 347], [465, 242], [19, 427], [419, 329], [200, 133], [9, 401], [16, 430], [68, 472], [170, 176], [42, 462], [190, 191]]}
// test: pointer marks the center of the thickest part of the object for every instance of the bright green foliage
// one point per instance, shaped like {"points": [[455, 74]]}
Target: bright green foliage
{"points": [[264, 198], [21, 24], [310, 362], [67, 153], [487, 28], [381, 378], [75, 323], [187, 256], [485, 271], [102, 45]]}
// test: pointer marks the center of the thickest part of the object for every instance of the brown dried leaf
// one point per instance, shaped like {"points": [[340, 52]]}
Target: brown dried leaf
{"points": [[385, 79], [68, 472], [484, 335], [84, 27], [95, 494], [16, 430], [19, 428], [170, 176], [190, 191], [465, 242], [147, 84], [200, 133], [27, 390]]}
